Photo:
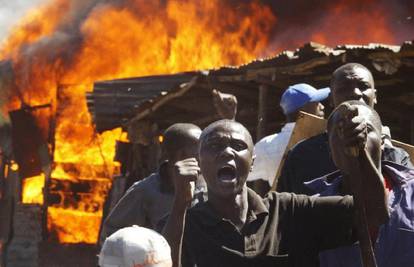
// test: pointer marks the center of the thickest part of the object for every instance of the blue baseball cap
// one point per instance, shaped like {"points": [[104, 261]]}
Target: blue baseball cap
{"points": [[298, 95]]}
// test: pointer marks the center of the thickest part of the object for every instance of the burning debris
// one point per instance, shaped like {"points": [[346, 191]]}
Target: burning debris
{"points": [[61, 48], [57, 52]]}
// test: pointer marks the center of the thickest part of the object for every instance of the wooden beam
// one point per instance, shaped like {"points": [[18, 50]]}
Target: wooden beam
{"points": [[261, 116], [412, 131]]}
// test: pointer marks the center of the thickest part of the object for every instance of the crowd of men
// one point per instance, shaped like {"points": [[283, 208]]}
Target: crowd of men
{"points": [[344, 197]]}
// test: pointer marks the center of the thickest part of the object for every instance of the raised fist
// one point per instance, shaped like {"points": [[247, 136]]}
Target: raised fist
{"points": [[225, 104], [185, 173]]}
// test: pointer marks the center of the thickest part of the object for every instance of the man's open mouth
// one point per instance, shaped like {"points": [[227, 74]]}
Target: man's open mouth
{"points": [[226, 173]]}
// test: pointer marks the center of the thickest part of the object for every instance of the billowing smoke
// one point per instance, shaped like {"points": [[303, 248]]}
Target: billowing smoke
{"points": [[12, 11], [342, 21]]}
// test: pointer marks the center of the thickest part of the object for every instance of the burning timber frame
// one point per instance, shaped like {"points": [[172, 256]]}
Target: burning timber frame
{"points": [[186, 97]]}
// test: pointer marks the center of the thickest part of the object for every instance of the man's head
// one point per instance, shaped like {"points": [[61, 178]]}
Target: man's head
{"points": [[181, 141], [353, 81], [373, 132], [135, 246], [226, 155], [303, 97]]}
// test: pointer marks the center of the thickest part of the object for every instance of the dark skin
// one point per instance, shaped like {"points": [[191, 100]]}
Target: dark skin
{"points": [[226, 155], [188, 150], [225, 160], [224, 148], [364, 170], [351, 82], [225, 104]]}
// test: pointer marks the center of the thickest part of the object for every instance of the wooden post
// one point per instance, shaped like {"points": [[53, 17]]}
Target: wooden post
{"points": [[261, 114], [259, 186], [412, 132]]}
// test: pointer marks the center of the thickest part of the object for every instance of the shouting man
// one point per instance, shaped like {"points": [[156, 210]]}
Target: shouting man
{"points": [[236, 227]]}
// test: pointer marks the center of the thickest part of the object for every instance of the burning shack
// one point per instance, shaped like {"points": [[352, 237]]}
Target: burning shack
{"points": [[58, 165], [160, 101], [186, 97]]}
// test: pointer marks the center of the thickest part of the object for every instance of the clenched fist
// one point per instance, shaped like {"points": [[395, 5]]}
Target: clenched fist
{"points": [[225, 104], [185, 174]]}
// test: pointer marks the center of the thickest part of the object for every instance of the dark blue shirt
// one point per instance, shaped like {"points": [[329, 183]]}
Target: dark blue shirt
{"points": [[311, 158], [394, 246]]}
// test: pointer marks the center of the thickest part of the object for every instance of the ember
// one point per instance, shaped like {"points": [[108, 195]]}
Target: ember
{"points": [[33, 189]]}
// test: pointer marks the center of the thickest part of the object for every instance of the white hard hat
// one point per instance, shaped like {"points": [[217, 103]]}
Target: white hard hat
{"points": [[135, 247]]}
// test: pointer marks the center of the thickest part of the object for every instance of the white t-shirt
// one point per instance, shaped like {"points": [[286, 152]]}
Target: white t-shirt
{"points": [[269, 152]]}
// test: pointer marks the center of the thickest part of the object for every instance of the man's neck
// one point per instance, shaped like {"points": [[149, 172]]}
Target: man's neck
{"points": [[233, 208]]}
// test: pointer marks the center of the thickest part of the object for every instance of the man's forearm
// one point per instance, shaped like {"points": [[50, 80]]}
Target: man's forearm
{"points": [[174, 232], [374, 193]]}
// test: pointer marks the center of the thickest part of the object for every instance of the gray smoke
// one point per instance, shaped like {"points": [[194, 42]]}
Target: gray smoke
{"points": [[11, 11]]}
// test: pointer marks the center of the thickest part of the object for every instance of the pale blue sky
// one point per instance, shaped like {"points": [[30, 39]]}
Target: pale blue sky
{"points": [[11, 11]]}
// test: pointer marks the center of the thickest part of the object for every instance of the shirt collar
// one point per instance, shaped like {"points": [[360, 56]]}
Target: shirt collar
{"points": [[329, 184], [256, 208], [397, 173], [288, 126]]}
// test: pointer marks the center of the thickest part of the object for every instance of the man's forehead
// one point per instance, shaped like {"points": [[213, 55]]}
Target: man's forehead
{"points": [[232, 131], [356, 73], [364, 112]]}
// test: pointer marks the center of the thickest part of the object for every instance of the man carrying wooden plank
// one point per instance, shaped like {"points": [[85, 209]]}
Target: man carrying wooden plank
{"points": [[270, 149], [311, 158], [394, 242]]}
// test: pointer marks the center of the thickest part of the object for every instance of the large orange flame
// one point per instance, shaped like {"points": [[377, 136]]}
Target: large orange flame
{"points": [[139, 38], [33, 189], [62, 47]]}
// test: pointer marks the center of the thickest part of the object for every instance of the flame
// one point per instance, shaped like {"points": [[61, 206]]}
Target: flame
{"points": [[60, 49], [71, 225], [148, 37], [32, 192]]}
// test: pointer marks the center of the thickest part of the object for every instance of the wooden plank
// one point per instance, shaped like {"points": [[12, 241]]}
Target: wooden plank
{"points": [[406, 147], [307, 125]]}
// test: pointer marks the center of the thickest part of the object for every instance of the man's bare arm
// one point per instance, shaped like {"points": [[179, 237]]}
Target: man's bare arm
{"points": [[185, 173]]}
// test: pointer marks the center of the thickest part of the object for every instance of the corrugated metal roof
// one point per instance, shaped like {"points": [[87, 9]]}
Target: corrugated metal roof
{"points": [[113, 103]]}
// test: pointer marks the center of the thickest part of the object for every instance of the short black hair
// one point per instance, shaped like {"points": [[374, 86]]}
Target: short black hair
{"points": [[376, 119], [224, 123], [177, 136], [347, 70]]}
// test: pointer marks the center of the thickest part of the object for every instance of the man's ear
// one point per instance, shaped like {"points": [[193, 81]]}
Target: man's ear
{"points": [[330, 101], [383, 136], [253, 158]]}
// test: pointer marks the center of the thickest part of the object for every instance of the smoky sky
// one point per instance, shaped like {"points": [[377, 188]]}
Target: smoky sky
{"points": [[293, 16], [13, 10], [298, 13]]}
